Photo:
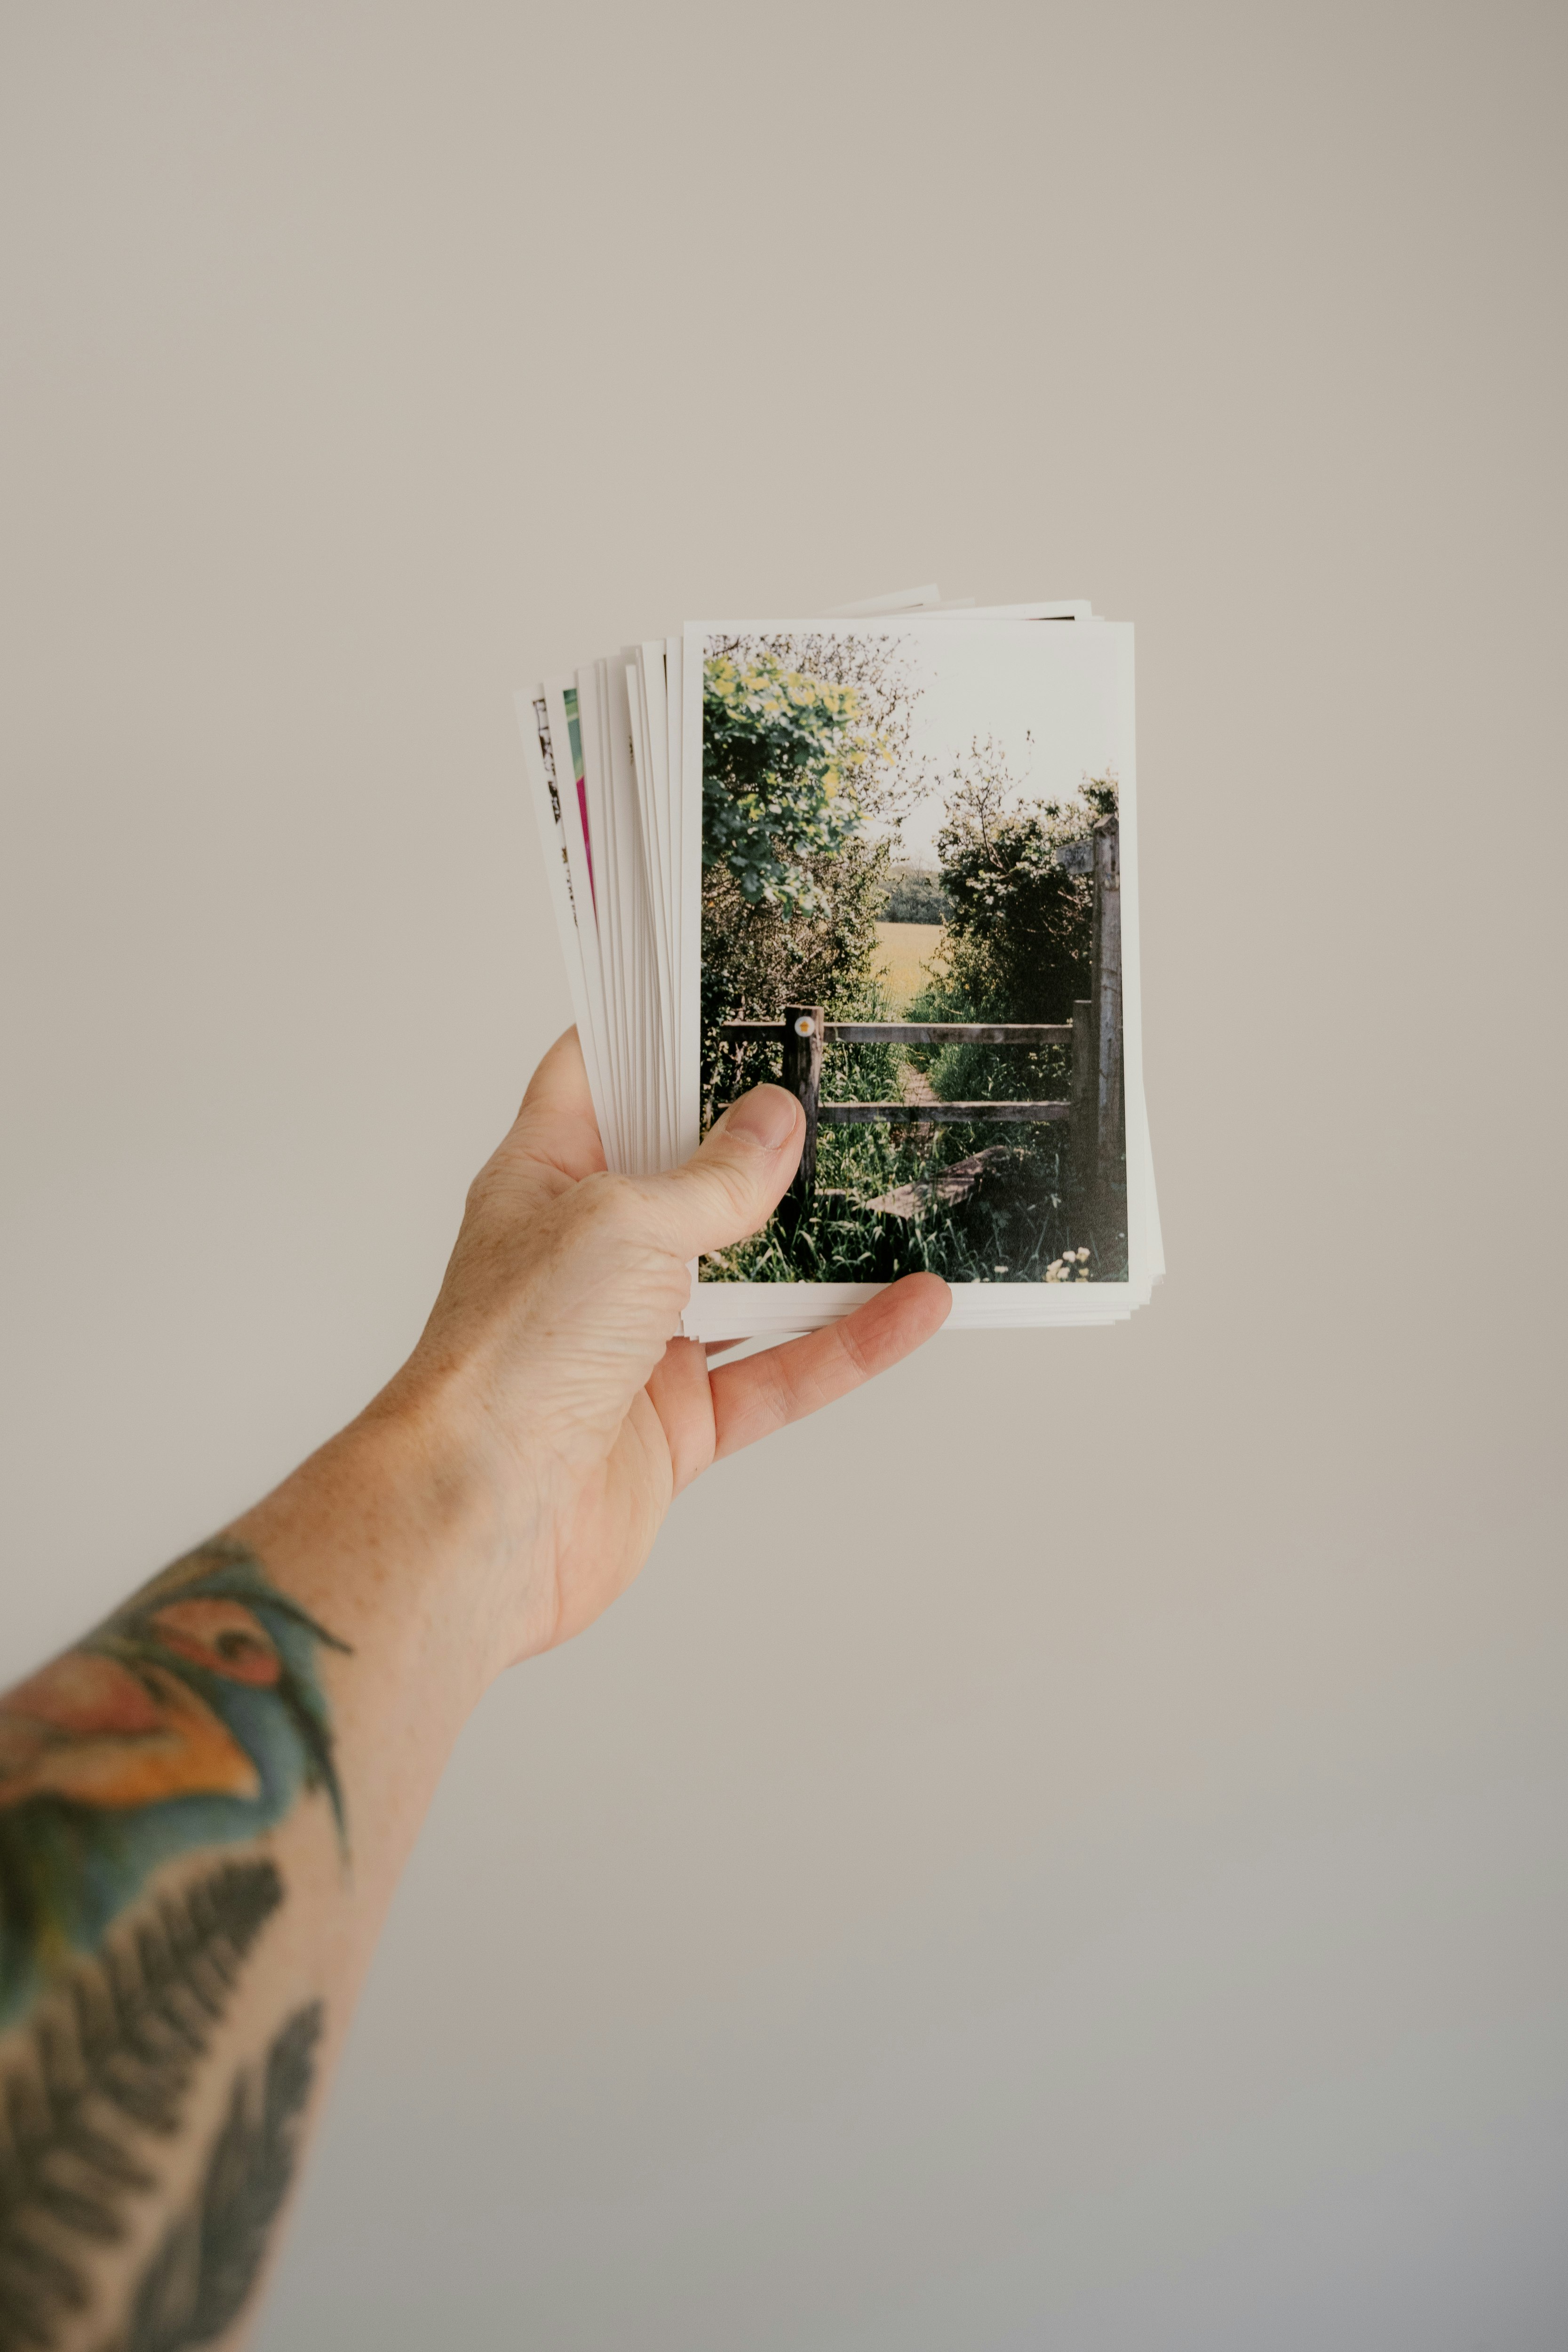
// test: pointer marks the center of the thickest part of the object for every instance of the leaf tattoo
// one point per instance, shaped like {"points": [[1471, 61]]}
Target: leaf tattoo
{"points": [[194, 1718], [115, 2046], [201, 2276]]}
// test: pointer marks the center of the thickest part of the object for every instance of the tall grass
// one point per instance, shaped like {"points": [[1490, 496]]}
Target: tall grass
{"points": [[1019, 1221]]}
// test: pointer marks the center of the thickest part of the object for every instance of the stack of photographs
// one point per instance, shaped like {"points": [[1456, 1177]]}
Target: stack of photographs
{"points": [[888, 858]]}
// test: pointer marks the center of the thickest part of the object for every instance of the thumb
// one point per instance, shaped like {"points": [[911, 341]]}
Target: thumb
{"points": [[734, 1183]]}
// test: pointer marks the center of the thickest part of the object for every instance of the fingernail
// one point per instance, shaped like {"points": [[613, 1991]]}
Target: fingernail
{"points": [[767, 1115]]}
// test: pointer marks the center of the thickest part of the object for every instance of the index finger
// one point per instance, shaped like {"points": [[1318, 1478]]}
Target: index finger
{"points": [[763, 1393]]}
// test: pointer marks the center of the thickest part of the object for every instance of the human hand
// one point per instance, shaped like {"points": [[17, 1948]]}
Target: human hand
{"points": [[330, 1642], [551, 1343]]}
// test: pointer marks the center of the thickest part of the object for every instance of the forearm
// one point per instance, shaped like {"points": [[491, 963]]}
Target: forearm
{"points": [[204, 1811], [204, 1806]]}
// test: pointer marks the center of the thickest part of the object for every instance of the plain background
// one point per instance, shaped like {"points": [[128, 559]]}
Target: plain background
{"points": [[1070, 1850]]}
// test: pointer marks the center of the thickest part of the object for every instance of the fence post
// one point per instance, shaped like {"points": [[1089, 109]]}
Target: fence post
{"points": [[1109, 1115], [802, 1025], [1081, 1148]]}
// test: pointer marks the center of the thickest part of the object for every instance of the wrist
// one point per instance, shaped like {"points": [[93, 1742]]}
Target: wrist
{"points": [[414, 1530]]}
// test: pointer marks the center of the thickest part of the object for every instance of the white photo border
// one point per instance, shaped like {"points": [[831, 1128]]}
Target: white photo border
{"points": [[734, 1310]]}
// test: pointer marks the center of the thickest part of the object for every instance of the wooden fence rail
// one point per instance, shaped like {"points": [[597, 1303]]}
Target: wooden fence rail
{"points": [[1095, 1108], [914, 1033], [1018, 1114]]}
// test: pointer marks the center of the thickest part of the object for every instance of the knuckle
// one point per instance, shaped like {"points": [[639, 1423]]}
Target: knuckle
{"points": [[610, 1222], [853, 1348], [736, 1198], [480, 1192], [608, 1205], [776, 1397], [736, 1190]]}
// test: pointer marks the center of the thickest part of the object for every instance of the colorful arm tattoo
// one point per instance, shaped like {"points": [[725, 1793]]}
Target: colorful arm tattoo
{"points": [[192, 1720]]}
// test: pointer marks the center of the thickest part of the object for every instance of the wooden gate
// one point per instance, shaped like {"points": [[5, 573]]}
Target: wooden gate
{"points": [[1095, 1107]]}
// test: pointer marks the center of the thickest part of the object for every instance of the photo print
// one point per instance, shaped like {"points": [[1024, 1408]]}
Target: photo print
{"points": [[912, 860], [888, 859]]}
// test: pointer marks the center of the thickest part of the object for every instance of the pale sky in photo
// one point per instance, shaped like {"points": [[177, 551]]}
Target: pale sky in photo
{"points": [[1053, 681]]}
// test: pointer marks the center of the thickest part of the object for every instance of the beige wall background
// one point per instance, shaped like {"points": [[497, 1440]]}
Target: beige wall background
{"points": [[1069, 1850]]}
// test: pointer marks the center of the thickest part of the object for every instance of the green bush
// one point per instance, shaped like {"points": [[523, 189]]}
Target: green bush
{"points": [[915, 896], [1020, 938], [792, 893], [758, 959], [1021, 929], [782, 755], [809, 729]]}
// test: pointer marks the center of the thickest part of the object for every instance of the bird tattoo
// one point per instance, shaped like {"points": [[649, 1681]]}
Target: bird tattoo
{"points": [[192, 1717]]}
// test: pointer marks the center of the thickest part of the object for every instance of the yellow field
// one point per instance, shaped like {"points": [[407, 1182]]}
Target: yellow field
{"points": [[901, 950]]}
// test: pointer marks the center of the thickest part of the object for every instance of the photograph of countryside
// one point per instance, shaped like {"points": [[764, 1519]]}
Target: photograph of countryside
{"points": [[911, 918]]}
